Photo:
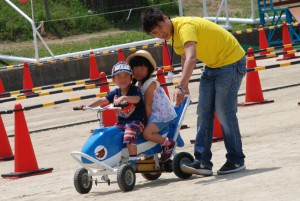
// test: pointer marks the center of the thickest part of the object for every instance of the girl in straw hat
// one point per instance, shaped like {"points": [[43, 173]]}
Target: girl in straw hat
{"points": [[159, 109]]}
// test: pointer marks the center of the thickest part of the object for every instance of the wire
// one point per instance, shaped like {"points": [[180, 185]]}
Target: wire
{"points": [[131, 9]]}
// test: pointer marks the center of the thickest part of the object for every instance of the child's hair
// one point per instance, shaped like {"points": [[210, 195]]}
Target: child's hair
{"points": [[150, 17], [140, 58]]}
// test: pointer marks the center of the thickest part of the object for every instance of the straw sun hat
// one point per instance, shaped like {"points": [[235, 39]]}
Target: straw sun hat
{"points": [[142, 53]]}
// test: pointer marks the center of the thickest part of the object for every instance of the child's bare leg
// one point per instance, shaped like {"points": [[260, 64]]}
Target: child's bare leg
{"points": [[132, 149], [151, 133]]}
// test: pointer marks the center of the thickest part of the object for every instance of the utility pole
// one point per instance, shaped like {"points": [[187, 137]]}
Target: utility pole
{"points": [[47, 9]]}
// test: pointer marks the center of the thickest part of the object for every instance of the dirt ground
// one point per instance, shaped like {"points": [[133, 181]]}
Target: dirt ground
{"points": [[270, 135]]}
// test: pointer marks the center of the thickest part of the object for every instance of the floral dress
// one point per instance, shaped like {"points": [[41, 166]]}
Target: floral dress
{"points": [[162, 109]]}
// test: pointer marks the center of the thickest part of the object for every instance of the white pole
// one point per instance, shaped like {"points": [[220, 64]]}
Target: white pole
{"points": [[35, 32], [205, 13], [227, 16], [180, 7], [36, 50], [252, 10], [219, 11]]}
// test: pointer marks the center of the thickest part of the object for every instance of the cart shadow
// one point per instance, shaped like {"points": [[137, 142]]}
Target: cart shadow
{"points": [[142, 184]]}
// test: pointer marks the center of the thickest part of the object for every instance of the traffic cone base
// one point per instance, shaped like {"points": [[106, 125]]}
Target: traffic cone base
{"points": [[8, 158], [184, 127], [244, 104], [15, 175], [25, 161]]}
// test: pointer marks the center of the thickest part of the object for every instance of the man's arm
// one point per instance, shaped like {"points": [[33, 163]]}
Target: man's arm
{"points": [[188, 61]]}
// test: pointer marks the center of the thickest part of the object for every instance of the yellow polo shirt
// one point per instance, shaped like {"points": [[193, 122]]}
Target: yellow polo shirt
{"points": [[215, 46]]}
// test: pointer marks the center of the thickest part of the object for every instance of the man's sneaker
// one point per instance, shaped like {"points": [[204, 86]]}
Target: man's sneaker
{"points": [[229, 167], [167, 150], [133, 164], [196, 168]]}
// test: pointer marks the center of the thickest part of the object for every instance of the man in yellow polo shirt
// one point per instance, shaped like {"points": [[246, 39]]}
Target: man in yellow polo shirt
{"points": [[196, 38]]}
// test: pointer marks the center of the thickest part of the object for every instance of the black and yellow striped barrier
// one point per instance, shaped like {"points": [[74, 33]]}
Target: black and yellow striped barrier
{"points": [[90, 86], [83, 56], [47, 104], [259, 68], [36, 89], [271, 55], [269, 49], [77, 99], [260, 29]]}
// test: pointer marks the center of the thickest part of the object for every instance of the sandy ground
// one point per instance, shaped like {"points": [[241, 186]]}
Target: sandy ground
{"points": [[270, 134]]}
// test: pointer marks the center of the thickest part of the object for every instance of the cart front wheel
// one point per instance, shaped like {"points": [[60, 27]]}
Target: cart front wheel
{"points": [[82, 181], [126, 177]]}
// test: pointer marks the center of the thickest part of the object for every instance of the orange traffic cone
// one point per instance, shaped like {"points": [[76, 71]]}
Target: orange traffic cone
{"points": [[121, 55], [286, 39], [167, 63], [94, 72], [254, 93], [5, 149], [2, 90], [109, 116], [161, 79], [217, 133], [25, 161], [27, 81], [263, 42], [3, 94]]}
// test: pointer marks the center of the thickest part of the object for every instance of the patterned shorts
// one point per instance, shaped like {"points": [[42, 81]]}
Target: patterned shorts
{"points": [[131, 131]]}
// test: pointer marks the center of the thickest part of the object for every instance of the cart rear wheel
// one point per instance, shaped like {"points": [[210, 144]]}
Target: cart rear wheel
{"points": [[180, 159], [82, 182], [126, 177], [151, 176]]}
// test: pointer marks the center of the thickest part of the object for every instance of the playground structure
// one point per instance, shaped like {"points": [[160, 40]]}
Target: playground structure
{"points": [[270, 12], [279, 10]]}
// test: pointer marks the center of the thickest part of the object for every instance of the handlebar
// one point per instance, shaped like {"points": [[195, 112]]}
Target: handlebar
{"points": [[108, 107]]}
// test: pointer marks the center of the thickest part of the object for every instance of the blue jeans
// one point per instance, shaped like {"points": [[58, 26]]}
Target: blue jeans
{"points": [[218, 93]]}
